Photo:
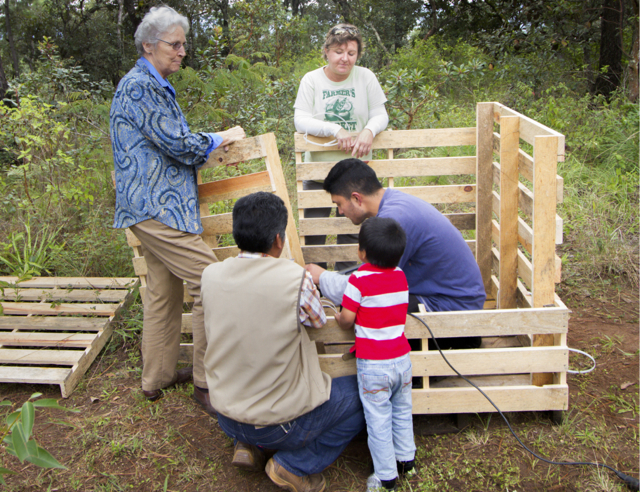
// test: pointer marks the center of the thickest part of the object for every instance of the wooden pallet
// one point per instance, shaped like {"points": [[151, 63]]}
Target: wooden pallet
{"points": [[53, 328], [507, 198], [271, 180]]}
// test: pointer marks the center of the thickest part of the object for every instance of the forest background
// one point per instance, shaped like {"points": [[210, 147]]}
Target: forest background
{"points": [[569, 64]]}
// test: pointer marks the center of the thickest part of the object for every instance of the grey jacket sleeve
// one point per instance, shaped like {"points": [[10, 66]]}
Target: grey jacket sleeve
{"points": [[333, 285]]}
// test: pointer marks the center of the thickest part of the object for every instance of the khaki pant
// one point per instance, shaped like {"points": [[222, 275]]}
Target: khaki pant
{"points": [[172, 257]]}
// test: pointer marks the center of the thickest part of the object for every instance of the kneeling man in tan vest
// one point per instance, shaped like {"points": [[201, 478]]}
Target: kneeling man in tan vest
{"points": [[262, 370]]}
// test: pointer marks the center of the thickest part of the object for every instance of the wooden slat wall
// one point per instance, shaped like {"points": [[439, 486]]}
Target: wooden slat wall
{"points": [[390, 168], [510, 248], [270, 180]]}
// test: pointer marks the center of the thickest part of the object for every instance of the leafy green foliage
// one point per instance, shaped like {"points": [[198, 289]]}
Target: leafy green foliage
{"points": [[16, 434], [28, 256]]}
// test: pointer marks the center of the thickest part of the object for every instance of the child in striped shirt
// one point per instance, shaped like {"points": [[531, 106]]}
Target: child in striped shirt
{"points": [[376, 301]]}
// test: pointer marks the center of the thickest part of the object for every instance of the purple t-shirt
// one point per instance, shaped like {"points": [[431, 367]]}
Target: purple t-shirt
{"points": [[437, 262]]}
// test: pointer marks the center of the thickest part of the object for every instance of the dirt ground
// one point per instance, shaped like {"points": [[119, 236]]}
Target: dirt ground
{"points": [[118, 441]]}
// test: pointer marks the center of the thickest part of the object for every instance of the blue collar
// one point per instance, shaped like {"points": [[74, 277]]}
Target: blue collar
{"points": [[163, 82]]}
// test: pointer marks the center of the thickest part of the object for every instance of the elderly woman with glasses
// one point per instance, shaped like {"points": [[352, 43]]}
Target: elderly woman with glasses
{"points": [[337, 100], [156, 160]]}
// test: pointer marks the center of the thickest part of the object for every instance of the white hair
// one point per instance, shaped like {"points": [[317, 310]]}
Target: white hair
{"points": [[158, 21]]}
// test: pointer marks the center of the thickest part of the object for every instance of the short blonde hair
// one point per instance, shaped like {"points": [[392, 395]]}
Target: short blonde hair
{"points": [[341, 34]]}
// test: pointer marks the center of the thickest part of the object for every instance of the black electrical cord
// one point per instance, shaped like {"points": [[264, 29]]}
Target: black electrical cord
{"points": [[632, 483]]}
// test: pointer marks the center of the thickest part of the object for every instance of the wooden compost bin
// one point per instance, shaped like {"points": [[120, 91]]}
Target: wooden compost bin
{"points": [[504, 201]]}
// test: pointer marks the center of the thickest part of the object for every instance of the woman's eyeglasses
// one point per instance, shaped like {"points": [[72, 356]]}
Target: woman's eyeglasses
{"points": [[176, 46], [342, 29]]}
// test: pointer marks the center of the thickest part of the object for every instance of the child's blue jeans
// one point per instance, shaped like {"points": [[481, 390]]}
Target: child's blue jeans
{"points": [[385, 391]]}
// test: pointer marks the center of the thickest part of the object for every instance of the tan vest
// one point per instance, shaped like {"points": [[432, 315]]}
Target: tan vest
{"points": [[261, 367]]}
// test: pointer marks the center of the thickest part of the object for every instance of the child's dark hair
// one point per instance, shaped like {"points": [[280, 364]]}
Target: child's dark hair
{"points": [[383, 240]]}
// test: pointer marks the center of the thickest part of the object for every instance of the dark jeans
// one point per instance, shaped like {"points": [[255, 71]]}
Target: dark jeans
{"points": [[313, 441]]}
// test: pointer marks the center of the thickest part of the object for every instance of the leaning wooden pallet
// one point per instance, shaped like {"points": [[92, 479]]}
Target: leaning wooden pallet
{"points": [[53, 328], [504, 200], [263, 151]]}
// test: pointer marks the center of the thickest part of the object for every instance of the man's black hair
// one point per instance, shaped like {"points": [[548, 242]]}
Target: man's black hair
{"points": [[383, 240], [257, 219], [351, 175]]}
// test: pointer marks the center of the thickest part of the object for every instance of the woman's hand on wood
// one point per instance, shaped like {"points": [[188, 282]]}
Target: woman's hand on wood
{"points": [[362, 145], [231, 135]]}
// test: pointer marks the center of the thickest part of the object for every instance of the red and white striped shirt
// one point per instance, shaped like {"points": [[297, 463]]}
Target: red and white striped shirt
{"points": [[379, 297]]}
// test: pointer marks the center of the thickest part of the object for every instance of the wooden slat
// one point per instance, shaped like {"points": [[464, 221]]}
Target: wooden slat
{"points": [[217, 224], [484, 323], [51, 323], [394, 168], [432, 194], [329, 225], [516, 360], [525, 202], [23, 308], [525, 237], [79, 295], [226, 189], [484, 154], [330, 252], [343, 252], [40, 357], [74, 282], [507, 399], [226, 252], [132, 240], [401, 139], [342, 225], [508, 243], [544, 213], [525, 167], [243, 150], [274, 166], [524, 297], [33, 375], [67, 340], [483, 381], [530, 129]]}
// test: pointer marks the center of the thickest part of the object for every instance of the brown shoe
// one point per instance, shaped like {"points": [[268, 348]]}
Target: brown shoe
{"points": [[182, 376], [248, 457], [202, 398], [293, 483]]}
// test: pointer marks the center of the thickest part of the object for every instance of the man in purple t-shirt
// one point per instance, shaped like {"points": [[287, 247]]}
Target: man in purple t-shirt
{"points": [[441, 270]]}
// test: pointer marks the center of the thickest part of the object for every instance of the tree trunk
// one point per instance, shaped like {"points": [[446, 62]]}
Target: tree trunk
{"points": [[4, 85], [635, 51], [12, 46], [610, 49]]}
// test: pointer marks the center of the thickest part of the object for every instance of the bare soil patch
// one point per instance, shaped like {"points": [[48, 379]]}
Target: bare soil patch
{"points": [[118, 441]]}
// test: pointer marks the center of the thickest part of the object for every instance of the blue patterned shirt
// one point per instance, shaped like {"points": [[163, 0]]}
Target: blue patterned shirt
{"points": [[155, 155]]}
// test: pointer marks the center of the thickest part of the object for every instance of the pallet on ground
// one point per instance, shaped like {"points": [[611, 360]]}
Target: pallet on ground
{"points": [[503, 199], [53, 328]]}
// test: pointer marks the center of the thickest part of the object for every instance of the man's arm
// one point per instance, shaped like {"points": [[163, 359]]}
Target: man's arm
{"points": [[331, 284]]}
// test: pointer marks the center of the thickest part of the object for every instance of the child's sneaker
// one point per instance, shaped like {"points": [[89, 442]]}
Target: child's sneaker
{"points": [[406, 468], [374, 484]]}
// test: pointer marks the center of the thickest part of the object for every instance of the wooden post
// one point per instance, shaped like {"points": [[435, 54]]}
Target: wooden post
{"points": [[484, 184], [545, 162], [274, 167], [508, 274]]}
